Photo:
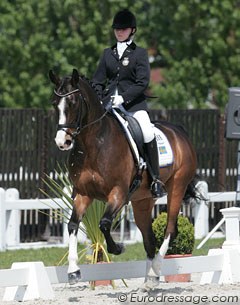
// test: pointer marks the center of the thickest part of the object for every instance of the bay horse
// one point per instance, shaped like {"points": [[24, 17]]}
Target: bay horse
{"points": [[101, 166]]}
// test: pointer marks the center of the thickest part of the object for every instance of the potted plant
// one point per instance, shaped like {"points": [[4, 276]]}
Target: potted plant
{"points": [[181, 246]]}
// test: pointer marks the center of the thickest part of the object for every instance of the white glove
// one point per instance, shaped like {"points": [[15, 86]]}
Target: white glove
{"points": [[117, 100]]}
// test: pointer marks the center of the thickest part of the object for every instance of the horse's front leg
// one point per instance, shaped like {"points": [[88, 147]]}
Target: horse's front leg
{"points": [[105, 226], [114, 205], [80, 205]]}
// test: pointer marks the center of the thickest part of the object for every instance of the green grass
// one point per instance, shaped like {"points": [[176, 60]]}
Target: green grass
{"points": [[52, 256], [210, 244]]}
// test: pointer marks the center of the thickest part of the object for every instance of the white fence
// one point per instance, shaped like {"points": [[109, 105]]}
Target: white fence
{"points": [[11, 205]]}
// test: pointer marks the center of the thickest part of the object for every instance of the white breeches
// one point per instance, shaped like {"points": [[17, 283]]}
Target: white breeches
{"points": [[147, 127]]}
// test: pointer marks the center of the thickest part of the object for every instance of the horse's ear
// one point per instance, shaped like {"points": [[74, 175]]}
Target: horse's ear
{"points": [[54, 78], [75, 77]]}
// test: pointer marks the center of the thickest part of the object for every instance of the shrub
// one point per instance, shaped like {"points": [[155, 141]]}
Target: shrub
{"points": [[184, 241]]}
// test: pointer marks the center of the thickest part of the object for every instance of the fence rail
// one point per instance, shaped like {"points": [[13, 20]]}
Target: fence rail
{"points": [[11, 205]]}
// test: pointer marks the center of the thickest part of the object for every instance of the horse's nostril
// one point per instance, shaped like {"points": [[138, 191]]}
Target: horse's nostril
{"points": [[68, 142]]}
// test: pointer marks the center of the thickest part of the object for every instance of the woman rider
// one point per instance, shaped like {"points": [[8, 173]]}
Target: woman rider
{"points": [[123, 74]]}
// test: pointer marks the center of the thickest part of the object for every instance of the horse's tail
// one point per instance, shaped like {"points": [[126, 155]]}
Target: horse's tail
{"points": [[192, 191]]}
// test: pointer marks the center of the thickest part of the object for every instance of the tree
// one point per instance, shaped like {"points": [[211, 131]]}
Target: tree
{"points": [[36, 36], [197, 43], [200, 44]]}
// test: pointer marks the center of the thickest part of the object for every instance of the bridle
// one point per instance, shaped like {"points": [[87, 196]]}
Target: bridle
{"points": [[78, 124]]}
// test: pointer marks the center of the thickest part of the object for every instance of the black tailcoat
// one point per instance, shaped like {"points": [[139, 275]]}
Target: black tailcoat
{"points": [[130, 75]]}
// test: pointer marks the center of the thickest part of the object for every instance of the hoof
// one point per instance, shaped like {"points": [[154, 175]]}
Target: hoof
{"points": [[117, 249], [74, 277], [150, 283]]}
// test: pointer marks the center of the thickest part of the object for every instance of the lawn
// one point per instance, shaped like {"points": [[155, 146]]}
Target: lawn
{"points": [[52, 256]]}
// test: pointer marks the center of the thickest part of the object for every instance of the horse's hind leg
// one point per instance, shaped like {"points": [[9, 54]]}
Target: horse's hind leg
{"points": [[80, 205], [176, 194], [143, 218]]}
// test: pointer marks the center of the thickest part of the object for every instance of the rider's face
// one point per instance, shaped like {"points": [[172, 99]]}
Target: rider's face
{"points": [[122, 34]]}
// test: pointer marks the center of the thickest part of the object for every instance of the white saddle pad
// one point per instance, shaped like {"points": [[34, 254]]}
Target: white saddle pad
{"points": [[164, 149]]}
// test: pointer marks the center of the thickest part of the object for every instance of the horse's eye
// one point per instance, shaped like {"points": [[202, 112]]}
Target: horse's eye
{"points": [[54, 103], [71, 101]]}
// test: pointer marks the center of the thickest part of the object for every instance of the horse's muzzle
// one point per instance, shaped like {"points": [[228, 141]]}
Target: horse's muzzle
{"points": [[63, 140]]}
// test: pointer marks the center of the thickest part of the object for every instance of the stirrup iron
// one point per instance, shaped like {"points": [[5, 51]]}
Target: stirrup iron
{"points": [[157, 189]]}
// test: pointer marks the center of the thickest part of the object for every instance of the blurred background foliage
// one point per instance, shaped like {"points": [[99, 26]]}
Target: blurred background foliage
{"points": [[194, 47]]}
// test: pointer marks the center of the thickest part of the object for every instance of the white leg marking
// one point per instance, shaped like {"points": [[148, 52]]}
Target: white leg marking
{"points": [[153, 266], [164, 246], [148, 268], [156, 264], [72, 256], [151, 278]]}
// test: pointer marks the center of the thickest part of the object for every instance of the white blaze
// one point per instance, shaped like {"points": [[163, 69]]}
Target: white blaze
{"points": [[61, 134], [61, 108]]}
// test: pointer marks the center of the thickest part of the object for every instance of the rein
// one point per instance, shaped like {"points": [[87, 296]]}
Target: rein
{"points": [[78, 124]]}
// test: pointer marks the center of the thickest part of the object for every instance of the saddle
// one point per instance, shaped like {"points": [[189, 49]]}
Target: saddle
{"points": [[134, 136], [133, 132]]}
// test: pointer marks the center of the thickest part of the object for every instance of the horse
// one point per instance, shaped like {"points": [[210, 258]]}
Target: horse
{"points": [[102, 166]]}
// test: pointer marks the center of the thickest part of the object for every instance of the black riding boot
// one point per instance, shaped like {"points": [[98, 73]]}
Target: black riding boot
{"points": [[152, 155]]}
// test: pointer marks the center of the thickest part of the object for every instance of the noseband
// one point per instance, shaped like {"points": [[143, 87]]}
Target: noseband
{"points": [[78, 124]]}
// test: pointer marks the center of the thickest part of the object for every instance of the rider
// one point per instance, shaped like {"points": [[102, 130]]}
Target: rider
{"points": [[123, 74]]}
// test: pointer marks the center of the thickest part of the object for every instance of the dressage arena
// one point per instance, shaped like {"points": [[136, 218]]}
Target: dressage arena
{"points": [[215, 279], [165, 293]]}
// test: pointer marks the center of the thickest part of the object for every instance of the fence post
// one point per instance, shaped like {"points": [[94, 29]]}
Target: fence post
{"points": [[232, 218], [38, 286], [201, 210], [67, 213], [230, 272], [135, 233], [2, 220], [12, 219]]}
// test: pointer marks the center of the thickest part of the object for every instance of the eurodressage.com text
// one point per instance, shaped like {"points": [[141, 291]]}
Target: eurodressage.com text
{"points": [[135, 297]]}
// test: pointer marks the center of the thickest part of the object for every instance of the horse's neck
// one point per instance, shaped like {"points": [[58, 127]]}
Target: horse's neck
{"points": [[96, 136], [98, 125], [95, 108]]}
